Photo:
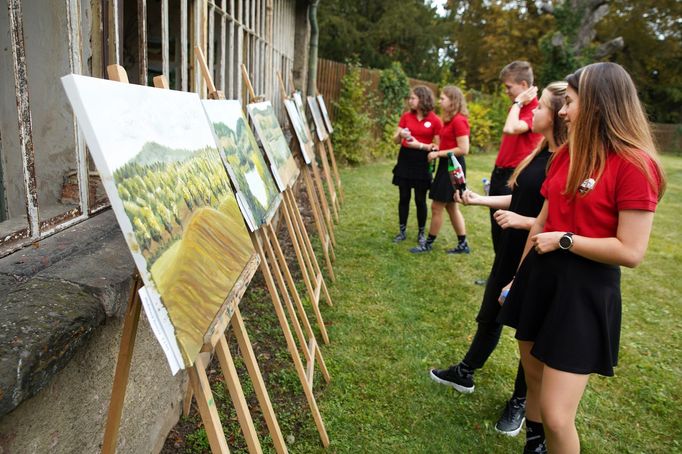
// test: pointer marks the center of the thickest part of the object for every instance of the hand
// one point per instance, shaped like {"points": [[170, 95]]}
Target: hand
{"points": [[527, 95], [504, 292], [405, 133], [470, 198], [509, 220], [546, 241], [431, 156], [434, 147]]}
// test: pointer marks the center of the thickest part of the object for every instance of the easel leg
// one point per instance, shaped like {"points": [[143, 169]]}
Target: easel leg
{"points": [[339, 186], [122, 372], [323, 200], [325, 235], [291, 346], [257, 380], [330, 182], [237, 394], [207, 408]]}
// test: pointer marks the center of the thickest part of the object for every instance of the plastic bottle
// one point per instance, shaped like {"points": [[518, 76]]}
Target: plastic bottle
{"points": [[486, 186], [456, 174]]}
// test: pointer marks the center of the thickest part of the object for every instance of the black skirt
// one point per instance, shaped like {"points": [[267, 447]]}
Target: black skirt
{"points": [[412, 168], [570, 307], [441, 188]]}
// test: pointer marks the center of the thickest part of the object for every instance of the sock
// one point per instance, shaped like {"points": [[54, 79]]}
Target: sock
{"points": [[421, 230], [535, 435], [461, 239], [430, 239], [403, 228]]}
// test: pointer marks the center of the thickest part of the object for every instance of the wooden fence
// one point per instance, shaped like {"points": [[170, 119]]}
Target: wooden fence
{"points": [[330, 73]]}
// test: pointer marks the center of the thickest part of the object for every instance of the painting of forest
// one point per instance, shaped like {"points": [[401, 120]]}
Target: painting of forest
{"points": [[250, 174], [317, 118], [169, 190], [275, 145], [325, 114], [304, 141]]}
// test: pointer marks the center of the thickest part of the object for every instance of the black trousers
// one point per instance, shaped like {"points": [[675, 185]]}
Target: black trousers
{"points": [[498, 186], [419, 201]]}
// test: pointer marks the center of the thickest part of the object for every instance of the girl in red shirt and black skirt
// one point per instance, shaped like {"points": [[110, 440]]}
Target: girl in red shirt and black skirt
{"points": [[417, 134], [600, 195]]}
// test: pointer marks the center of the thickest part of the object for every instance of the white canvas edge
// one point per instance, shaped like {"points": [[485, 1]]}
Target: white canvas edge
{"points": [[321, 130], [156, 313], [302, 146], [325, 114], [173, 351]]}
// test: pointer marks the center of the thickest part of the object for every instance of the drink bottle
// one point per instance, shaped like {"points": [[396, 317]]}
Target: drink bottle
{"points": [[432, 165], [456, 174], [486, 186]]}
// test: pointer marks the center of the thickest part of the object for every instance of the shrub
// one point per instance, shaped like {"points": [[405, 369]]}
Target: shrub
{"points": [[353, 127], [394, 87]]}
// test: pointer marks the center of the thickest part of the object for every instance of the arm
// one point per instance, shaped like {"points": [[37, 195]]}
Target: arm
{"points": [[627, 248], [513, 125], [500, 202], [510, 220], [461, 149]]}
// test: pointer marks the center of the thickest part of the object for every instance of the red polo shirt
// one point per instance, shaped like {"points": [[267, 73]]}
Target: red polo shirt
{"points": [[622, 186], [458, 126], [425, 130], [515, 147]]}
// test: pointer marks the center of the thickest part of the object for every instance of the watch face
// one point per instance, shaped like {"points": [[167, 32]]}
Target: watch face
{"points": [[565, 242]]}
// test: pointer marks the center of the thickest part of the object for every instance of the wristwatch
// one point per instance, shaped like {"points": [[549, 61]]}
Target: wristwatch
{"points": [[566, 241], [519, 103]]}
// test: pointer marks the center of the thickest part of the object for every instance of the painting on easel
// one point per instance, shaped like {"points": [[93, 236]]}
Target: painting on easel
{"points": [[168, 187], [270, 133], [256, 190], [325, 114], [317, 118], [300, 129]]}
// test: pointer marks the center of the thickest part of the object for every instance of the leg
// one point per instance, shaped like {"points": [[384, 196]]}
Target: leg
{"points": [[560, 395], [532, 368], [403, 211], [456, 218], [485, 340], [436, 217], [420, 203]]}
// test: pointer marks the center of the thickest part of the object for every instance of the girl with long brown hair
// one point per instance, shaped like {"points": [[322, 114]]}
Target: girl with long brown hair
{"points": [[454, 138], [417, 133], [600, 195], [515, 215]]}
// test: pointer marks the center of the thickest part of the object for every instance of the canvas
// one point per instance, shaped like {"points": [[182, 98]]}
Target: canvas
{"points": [[304, 141], [298, 101], [167, 185], [255, 188], [325, 114], [317, 118], [282, 163]]}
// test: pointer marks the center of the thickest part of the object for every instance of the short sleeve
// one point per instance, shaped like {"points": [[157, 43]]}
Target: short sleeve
{"points": [[461, 126], [560, 155], [526, 115], [403, 121], [633, 190]]}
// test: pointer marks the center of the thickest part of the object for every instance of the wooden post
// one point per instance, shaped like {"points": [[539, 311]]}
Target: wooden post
{"points": [[334, 201]]}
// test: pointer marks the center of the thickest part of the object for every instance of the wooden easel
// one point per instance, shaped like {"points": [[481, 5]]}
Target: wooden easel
{"points": [[214, 340], [267, 245], [322, 150], [332, 155], [322, 230]]}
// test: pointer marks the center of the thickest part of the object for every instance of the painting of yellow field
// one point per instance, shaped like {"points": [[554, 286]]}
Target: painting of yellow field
{"points": [[282, 162], [256, 189], [157, 156]]}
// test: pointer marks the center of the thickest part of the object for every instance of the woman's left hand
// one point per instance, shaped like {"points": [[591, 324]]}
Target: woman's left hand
{"points": [[432, 155], [509, 220], [546, 242]]}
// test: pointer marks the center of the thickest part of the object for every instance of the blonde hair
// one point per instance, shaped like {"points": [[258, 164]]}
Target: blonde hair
{"points": [[517, 71], [557, 90], [459, 103], [610, 119]]}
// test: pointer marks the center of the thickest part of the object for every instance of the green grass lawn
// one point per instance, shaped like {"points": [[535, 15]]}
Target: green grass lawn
{"points": [[396, 315]]}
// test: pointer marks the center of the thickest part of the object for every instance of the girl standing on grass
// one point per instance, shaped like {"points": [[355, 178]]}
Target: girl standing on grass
{"points": [[515, 214], [417, 134], [454, 138], [600, 195]]}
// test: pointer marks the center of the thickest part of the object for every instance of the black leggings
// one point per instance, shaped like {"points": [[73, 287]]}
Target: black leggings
{"points": [[419, 201], [485, 340]]}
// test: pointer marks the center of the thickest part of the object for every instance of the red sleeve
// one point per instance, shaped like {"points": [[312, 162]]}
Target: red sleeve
{"points": [[527, 116], [560, 154], [461, 126], [403, 120], [437, 124], [633, 190]]}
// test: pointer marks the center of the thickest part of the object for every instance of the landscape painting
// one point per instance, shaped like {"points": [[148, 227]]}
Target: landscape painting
{"points": [[304, 141], [282, 162], [157, 156], [325, 114], [317, 118], [256, 189]]}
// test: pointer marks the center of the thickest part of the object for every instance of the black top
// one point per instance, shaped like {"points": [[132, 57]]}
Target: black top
{"points": [[526, 201]]}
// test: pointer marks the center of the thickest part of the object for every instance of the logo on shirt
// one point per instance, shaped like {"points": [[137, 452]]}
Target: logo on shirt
{"points": [[586, 186], [427, 124]]}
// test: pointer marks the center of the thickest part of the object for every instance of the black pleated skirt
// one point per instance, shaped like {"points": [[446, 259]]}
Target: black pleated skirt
{"points": [[570, 307]]}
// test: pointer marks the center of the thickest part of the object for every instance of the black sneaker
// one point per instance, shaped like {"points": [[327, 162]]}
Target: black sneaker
{"points": [[456, 376], [540, 448], [512, 417], [461, 248], [426, 247], [402, 236]]}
